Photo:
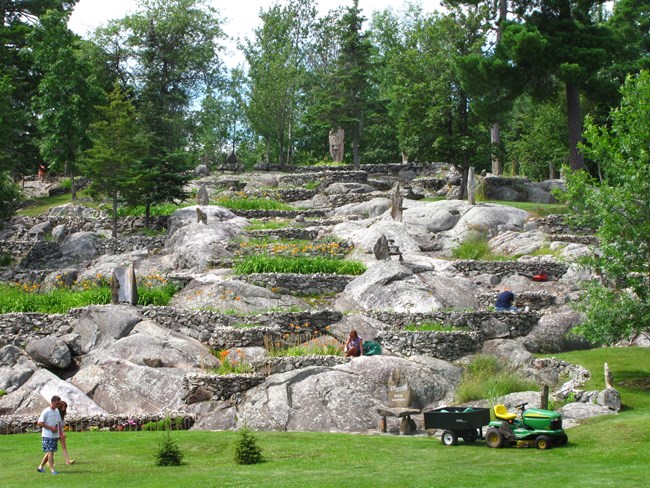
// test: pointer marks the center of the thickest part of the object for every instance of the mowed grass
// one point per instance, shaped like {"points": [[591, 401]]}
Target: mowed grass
{"points": [[609, 451]]}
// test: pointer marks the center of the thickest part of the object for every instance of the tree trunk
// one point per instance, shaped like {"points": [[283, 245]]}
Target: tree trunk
{"points": [[147, 214], [495, 146], [73, 190], [576, 158], [115, 214], [355, 148], [495, 130]]}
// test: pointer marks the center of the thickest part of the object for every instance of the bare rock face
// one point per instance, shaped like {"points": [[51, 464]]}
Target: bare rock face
{"points": [[551, 334], [388, 285], [80, 246], [574, 413], [344, 398], [50, 351], [32, 397], [509, 351], [196, 245], [131, 389], [371, 208], [101, 325], [517, 243], [150, 344], [219, 294]]}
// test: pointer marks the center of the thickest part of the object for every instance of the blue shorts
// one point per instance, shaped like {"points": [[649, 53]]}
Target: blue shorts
{"points": [[50, 444]]}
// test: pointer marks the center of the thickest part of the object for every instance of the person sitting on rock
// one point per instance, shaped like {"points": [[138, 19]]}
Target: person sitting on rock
{"points": [[505, 301], [354, 345]]}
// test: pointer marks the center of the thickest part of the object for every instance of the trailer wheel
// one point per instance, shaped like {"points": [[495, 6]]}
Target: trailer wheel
{"points": [[449, 438], [494, 438], [543, 442]]}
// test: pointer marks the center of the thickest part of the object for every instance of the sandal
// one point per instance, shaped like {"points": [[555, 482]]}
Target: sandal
{"points": [[40, 470], [55, 472], [71, 461]]}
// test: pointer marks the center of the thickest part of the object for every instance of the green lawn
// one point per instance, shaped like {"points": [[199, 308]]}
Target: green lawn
{"points": [[611, 451]]}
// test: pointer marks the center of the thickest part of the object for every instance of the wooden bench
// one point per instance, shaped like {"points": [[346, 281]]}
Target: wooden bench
{"points": [[399, 400]]}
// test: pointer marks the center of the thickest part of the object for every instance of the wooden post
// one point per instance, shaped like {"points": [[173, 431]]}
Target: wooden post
{"points": [[544, 400], [382, 424]]}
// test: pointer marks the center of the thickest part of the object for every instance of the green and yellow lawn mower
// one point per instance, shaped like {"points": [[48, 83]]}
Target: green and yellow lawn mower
{"points": [[534, 428]]}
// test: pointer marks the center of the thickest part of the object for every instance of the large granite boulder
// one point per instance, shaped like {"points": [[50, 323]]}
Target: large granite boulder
{"points": [[388, 285], [150, 344], [99, 325], [552, 334], [80, 246], [575, 413], [344, 398], [372, 208], [517, 243], [197, 244], [217, 293], [50, 351], [510, 352], [129, 389], [32, 397], [345, 188]]}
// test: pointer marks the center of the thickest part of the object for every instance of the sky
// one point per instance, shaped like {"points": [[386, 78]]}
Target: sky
{"points": [[242, 14]]}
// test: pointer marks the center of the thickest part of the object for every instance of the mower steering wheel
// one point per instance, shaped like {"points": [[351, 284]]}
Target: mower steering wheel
{"points": [[521, 406]]}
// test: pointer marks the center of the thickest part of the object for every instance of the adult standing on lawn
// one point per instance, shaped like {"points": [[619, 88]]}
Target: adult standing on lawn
{"points": [[49, 421]]}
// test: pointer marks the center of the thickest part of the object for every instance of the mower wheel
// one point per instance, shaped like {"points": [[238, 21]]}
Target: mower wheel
{"points": [[561, 440], [543, 442], [494, 438], [449, 438]]}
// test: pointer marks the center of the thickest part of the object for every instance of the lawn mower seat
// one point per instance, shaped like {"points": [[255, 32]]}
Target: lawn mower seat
{"points": [[501, 412]]}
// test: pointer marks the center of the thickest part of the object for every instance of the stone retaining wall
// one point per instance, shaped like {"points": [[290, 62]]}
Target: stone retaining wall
{"points": [[299, 284], [325, 178], [556, 224], [20, 328], [505, 268], [227, 331], [285, 233], [277, 365], [200, 387], [448, 346], [431, 184], [20, 226], [284, 214], [535, 300], [21, 424]]}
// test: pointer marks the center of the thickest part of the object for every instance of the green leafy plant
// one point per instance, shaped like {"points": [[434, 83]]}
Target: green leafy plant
{"points": [[300, 265], [176, 423], [2, 392], [5, 259], [246, 448], [168, 452], [476, 246], [430, 326], [232, 366], [270, 225], [486, 377]]}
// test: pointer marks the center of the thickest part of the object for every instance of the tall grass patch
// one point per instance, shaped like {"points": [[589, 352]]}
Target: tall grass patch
{"points": [[29, 298], [486, 377], [298, 265], [476, 246]]}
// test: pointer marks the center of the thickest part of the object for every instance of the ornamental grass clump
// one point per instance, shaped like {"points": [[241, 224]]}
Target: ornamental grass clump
{"points": [[486, 378], [298, 265], [168, 453], [246, 449]]}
